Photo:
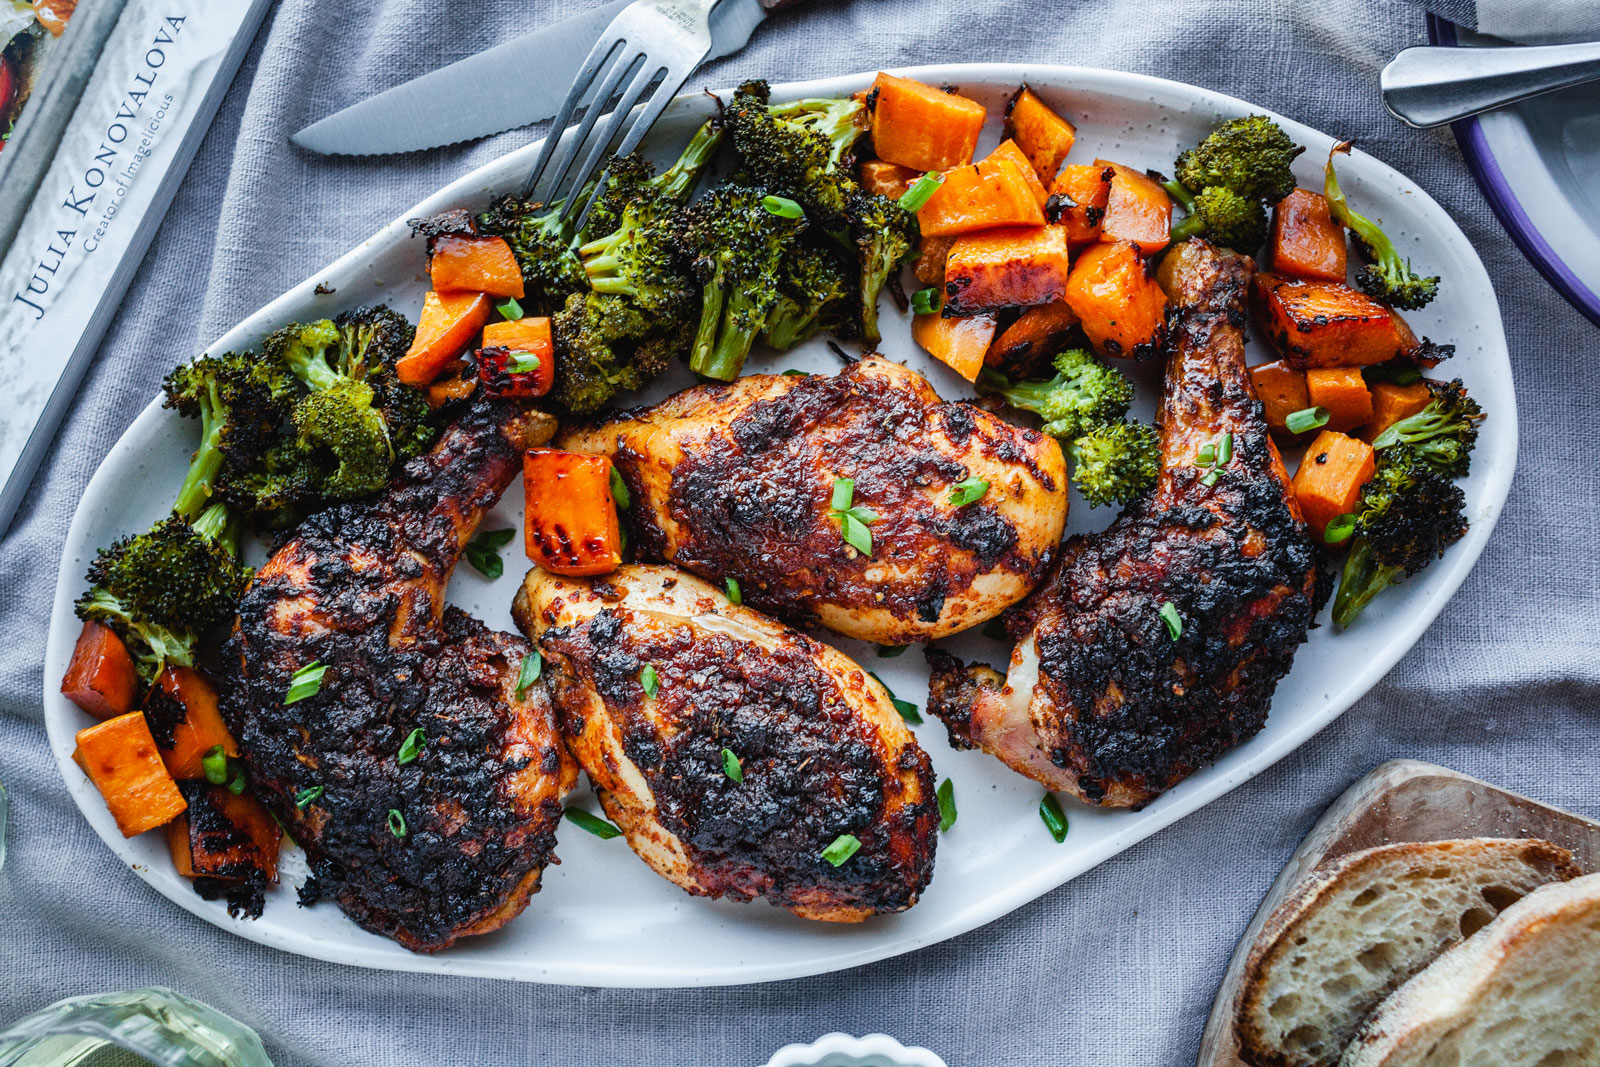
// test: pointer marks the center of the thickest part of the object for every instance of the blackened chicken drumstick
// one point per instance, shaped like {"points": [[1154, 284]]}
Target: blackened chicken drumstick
{"points": [[1155, 645]]}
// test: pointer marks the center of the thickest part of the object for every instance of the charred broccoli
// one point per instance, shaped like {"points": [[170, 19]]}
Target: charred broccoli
{"points": [[800, 149], [813, 287], [241, 400], [1389, 277], [542, 243], [884, 235], [607, 346], [1084, 395], [1226, 181], [1441, 434], [1115, 462], [1408, 515], [737, 240]]}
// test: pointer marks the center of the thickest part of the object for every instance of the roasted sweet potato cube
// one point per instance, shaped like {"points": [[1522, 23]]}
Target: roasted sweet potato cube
{"points": [[1138, 210], [1024, 348], [184, 703], [101, 678], [474, 264], [571, 521], [883, 178], [448, 324], [957, 342], [1043, 136], [1123, 309], [1391, 403], [1343, 392], [121, 759], [920, 127], [518, 357], [1281, 390], [1328, 324], [1009, 150], [1077, 201], [1012, 267], [929, 267], [226, 836], [980, 197], [1328, 483], [1306, 242]]}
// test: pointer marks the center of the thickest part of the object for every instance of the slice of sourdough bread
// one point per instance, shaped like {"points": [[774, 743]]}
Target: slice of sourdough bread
{"points": [[1352, 935], [1523, 993]]}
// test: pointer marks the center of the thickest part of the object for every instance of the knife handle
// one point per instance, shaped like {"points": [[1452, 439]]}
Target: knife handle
{"points": [[774, 5]]}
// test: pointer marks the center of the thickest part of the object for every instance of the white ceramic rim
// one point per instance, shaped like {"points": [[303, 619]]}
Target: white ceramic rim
{"points": [[1493, 465]]}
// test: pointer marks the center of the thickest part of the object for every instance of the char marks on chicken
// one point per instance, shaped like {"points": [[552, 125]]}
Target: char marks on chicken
{"points": [[1101, 699], [737, 481], [453, 841]]}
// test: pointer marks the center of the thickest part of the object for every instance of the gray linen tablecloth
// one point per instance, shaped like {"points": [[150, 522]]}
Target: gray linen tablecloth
{"points": [[1119, 966]]}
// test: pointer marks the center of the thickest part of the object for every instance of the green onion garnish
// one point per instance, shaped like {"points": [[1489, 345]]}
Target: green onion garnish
{"points": [[1206, 457], [593, 823], [782, 207], [397, 823], [891, 651], [1211, 477], [916, 196], [1055, 820], [303, 799], [844, 846], [619, 490], [731, 765], [792, 373], [1339, 528], [532, 663], [1306, 419], [306, 682], [907, 710], [215, 764], [483, 552], [522, 363], [1225, 452], [947, 804], [926, 301], [648, 679], [509, 309], [1169, 615], [236, 780], [413, 745], [852, 519], [732, 586], [967, 490]]}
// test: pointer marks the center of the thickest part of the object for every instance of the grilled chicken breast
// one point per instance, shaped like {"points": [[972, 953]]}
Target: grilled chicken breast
{"points": [[663, 686], [1101, 700], [736, 481], [451, 842]]}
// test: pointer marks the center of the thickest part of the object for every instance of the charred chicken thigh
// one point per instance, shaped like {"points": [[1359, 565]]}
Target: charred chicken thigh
{"points": [[425, 789], [1155, 645], [731, 750], [739, 481]]}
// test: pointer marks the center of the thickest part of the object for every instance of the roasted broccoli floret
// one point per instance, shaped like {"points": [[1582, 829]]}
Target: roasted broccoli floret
{"points": [[737, 245], [1084, 395], [800, 149], [241, 400], [1116, 462], [1389, 277], [542, 243], [814, 289], [1408, 515], [606, 346], [884, 235], [1441, 434], [1226, 180]]}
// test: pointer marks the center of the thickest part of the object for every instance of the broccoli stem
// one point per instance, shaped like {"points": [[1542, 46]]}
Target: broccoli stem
{"points": [[1025, 395], [195, 493], [1376, 241], [702, 354], [1362, 579], [678, 179], [1192, 224], [733, 341]]}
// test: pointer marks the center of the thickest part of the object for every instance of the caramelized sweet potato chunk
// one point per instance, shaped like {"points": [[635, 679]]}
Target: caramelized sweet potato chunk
{"points": [[1328, 483], [992, 193], [929, 267], [1077, 201], [1343, 392], [883, 178], [958, 342], [1328, 324], [1306, 242], [1138, 210], [1123, 309], [1025, 347], [1281, 390], [121, 759], [920, 127], [101, 678], [1009, 150], [1042, 135], [571, 518], [1015, 266], [1391, 403]]}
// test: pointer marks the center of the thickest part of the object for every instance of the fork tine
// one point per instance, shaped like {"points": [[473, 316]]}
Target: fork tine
{"points": [[614, 126], [598, 56], [629, 58], [665, 93]]}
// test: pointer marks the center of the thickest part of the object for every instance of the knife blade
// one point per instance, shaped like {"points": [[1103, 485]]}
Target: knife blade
{"points": [[514, 84]]}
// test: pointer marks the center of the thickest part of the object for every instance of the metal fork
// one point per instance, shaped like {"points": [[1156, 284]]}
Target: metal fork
{"points": [[656, 42]]}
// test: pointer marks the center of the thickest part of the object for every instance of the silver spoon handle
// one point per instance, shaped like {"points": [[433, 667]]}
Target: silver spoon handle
{"points": [[1431, 86]]}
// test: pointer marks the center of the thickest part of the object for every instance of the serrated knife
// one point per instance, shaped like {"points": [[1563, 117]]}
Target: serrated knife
{"points": [[514, 84]]}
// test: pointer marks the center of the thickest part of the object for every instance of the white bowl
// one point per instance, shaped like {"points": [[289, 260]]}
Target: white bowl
{"points": [[842, 1050]]}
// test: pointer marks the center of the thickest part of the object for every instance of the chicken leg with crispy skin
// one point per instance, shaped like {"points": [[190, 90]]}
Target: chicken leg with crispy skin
{"points": [[1101, 699], [449, 837], [731, 750]]}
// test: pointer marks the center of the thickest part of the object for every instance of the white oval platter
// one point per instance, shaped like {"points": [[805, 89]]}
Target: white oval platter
{"points": [[603, 919]]}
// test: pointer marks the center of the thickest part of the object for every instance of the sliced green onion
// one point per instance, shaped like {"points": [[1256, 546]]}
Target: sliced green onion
{"points": [[1339, 528], [1055, 820], [844, 846], [413, 745], [215, 764], [856, 534], [926, 301], [1211, 477], [844, 490], [947, 804], [593, 823], [1206, 457], [236, 780], [522, 363], [1306, 419], [908, 711], [792, 373], [916, 196], [1225, 452], [731, 765], [619, 490], [891, 651], [734, 596], [509, 309], [397, 823], [783, 207], [967, 490], [303, 799], [532, 664], [306, 682], [1169, 615], [483, 552], [648, 679]]}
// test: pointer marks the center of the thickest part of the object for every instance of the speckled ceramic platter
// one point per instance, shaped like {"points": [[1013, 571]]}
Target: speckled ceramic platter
{"points": [[603, 918]]}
